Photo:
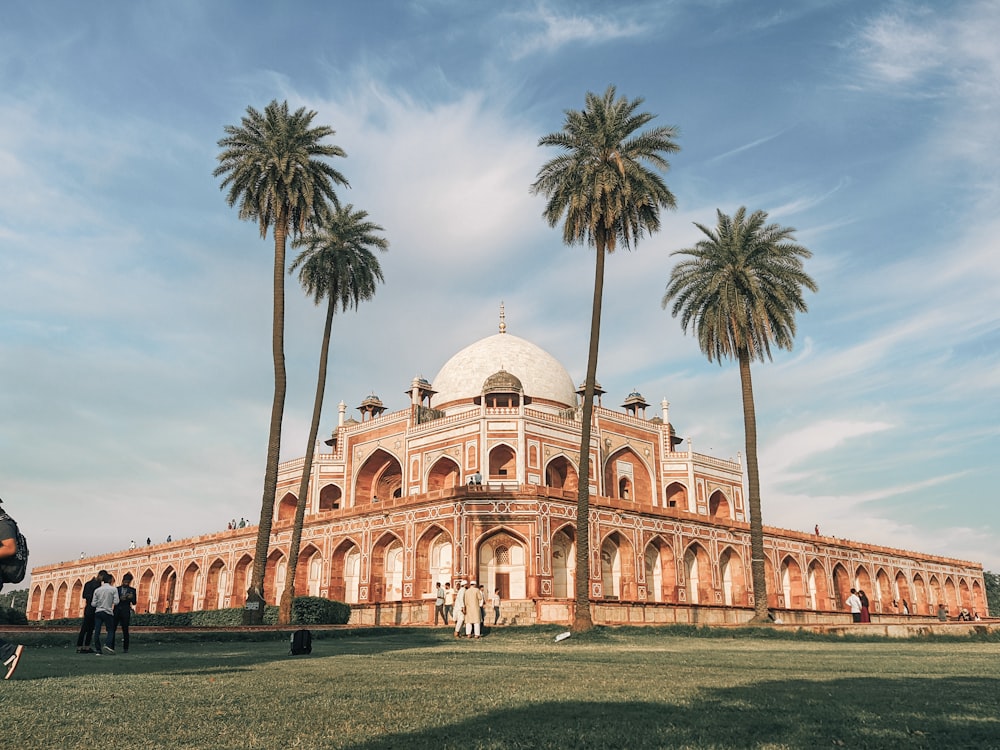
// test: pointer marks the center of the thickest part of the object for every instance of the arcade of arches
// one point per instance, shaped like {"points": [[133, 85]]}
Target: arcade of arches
{"points": [[476, 477]]}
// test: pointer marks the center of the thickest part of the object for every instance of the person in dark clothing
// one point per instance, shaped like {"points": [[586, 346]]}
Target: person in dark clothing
{"points": [[87, 627], [123, 610], [10, 653]]}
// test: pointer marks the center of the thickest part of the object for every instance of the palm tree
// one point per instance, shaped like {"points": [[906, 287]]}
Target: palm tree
{"points": [[271, 167], [336, 265], [738, 291], [602, 190]]}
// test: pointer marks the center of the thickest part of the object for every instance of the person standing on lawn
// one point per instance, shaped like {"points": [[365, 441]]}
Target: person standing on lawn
{"points": [[105, 600], [123, 611], [449, 602], [459, 607], [87, 627], [439, 611], [472, 603], [10, 653]]}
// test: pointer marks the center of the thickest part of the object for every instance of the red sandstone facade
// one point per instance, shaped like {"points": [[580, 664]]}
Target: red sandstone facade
{"points": [[391, 511]]}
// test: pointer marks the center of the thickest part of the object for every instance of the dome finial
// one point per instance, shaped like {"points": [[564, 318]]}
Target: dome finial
{"points": [[503, 319]]}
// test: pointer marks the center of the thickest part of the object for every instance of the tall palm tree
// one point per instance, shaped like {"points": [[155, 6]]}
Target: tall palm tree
{"points": [[602, 188], [738, 291], [272, 167], [338, 266]]}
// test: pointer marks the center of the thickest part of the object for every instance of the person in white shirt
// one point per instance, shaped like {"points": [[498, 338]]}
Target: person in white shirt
{"points": [[105, 600], [854, 602]]}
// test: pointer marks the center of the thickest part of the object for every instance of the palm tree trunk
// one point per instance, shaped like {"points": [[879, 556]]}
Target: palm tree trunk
{"points": [[285, 607], [582, 620], [753, 495], [253, 614]]}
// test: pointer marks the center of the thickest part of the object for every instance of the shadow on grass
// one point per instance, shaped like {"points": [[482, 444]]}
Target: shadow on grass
{"points": [[855, 713], [194, 654]]}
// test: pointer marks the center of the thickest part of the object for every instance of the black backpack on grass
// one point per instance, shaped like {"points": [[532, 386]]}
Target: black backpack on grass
{"points": [[14, 568], [302, 642]]}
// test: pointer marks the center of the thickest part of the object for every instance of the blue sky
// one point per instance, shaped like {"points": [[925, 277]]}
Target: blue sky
{"points": [[135, 373]]}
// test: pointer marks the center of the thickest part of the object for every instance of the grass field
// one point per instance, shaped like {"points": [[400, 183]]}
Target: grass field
{"points": [[517, 688]]}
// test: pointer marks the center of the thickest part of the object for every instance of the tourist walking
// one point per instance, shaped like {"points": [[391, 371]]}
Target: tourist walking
{"points": [[10, 653], [439, 605], [459, 608], [123, 611], [105, 599], [449, 602], [473, 603], [495, 601], [854, 602], [87, 627]]}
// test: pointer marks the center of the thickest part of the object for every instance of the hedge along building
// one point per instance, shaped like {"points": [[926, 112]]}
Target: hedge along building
{"points": [[396, 506]]}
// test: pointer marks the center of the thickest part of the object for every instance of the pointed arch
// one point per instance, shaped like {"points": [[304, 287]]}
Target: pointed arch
{"points": [[444, 473], [901, 589], [817, 593], [379, 478], [241, 581], [921, 602], [75, 599], [964, 594], [144, 592], [951, 596], [168, 588], [502, 563], [978, 600], [628, 477], [863, 580], [883, 590], [561, 474], [841, 586], [286, 508], [189, 588], [387, 569], [792, 584], [503, 463], [308, 571], [719, 506], [345, 572], [661, 571], [435, 559], [48, 601], [330, 498], [62, 601], [732, 574], [564, 562], [215, 585], [697, 574], [274, 576], [676, 496]]}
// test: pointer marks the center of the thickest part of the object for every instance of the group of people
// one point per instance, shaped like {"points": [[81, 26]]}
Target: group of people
{"points": [[858, 602], [466, 603], [108, 608], [242, 524]]}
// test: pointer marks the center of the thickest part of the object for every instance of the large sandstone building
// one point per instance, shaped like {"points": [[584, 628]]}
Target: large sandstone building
{"points": [[395, 507]]}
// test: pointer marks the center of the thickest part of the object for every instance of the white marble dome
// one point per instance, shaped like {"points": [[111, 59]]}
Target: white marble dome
{"points": [[541, 374]]}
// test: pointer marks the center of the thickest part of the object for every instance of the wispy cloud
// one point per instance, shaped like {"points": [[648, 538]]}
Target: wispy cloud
{"points": [[549, 30]]}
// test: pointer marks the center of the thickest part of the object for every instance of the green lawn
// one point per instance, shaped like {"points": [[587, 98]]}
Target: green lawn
{"points": [[517, 688]]}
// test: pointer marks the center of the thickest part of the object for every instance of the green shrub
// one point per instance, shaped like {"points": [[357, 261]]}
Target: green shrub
{"points": [[314, 610], [9, 616], [306, 610]]}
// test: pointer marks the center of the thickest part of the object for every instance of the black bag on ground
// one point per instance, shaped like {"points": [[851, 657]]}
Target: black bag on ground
{"points": [[302, 642], [14, 568]]}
